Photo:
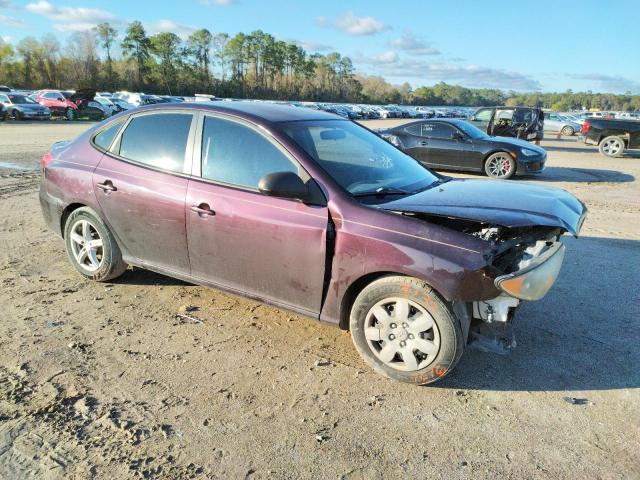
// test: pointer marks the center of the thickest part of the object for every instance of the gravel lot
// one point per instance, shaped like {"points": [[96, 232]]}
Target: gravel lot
{"points": [[104, 381]]}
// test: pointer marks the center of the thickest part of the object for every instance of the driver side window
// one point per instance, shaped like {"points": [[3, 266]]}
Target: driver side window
{"points": [[235, 154]]}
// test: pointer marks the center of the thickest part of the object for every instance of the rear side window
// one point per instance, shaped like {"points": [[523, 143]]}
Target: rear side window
{"points": [[105, 138], [437, 130], [238, 155], [158, 140], [414, 129]]}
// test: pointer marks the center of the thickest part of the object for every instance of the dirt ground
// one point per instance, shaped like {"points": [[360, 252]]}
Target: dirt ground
{"points": [[105, 381]]}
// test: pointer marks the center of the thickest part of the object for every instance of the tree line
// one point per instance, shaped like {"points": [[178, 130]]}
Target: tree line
{"points": [[254, 65]]}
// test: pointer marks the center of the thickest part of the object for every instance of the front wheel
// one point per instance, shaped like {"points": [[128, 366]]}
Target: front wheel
{"points": [[612, 146], [500, 165], [70, 114], [15, 115], [405, 331], [568, 131], [91, 247]]}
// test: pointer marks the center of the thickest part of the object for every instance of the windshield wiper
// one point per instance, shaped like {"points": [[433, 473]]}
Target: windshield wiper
{"points": [[382, 192]]}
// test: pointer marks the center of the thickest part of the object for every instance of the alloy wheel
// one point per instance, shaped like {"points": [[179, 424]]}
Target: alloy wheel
{"points": [[499, 166], [402, 334], [86, 245], [612, 147]]}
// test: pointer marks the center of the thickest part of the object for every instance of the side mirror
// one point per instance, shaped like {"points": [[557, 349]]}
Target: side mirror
{"points": [[283, 184]]}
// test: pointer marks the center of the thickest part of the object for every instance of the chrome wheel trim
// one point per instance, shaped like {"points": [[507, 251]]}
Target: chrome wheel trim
{"points": [[86, 245], [612, 146], [568, 131], [402, 334], [499, 165]]}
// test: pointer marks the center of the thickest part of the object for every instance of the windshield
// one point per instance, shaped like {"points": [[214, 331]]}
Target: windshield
{"points": [[357, 159], [20, 99], [471, 130]]}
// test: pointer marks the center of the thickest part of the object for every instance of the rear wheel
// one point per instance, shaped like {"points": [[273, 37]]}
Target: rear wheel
{"points": [[91, 247], [405, 331], [567, 130], [500, 165], [612, 146]]}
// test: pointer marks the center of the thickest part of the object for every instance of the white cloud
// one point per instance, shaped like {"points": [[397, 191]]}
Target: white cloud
{"points": [[71, 19], [183, 31], [353, 25], [385, 57], [413, 45], [609, 83], [11, 21], [390, 64], [311, 46]]}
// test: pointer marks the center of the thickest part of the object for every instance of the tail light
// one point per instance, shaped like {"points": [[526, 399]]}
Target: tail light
{"points": [[585, 127], [46, 159]]}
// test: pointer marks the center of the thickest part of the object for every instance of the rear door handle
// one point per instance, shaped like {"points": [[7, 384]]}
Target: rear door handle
{"points": [[203, 210], [106, 186]]}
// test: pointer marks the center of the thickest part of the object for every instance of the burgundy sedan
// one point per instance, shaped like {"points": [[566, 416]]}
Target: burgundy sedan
{"points": [[313, 213]]}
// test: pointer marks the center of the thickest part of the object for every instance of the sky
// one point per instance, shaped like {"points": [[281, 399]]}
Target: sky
{"points": [[521, 45]]}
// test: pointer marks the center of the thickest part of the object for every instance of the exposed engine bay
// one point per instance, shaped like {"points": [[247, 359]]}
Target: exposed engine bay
{"points": [[511, 250]]}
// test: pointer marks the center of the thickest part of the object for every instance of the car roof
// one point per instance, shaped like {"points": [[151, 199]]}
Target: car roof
{"points": [[256, 111]]}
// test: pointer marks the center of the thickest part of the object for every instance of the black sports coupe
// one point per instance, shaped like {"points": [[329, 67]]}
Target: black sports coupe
{"points": [[452, 144]]}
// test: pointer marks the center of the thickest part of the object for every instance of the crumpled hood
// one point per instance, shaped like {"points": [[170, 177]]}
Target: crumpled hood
{"points": [[497, 202]]}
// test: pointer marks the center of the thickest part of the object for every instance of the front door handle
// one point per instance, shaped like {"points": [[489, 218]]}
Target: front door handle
{"points": [[424, 143], [106, 186], [203, 210]]}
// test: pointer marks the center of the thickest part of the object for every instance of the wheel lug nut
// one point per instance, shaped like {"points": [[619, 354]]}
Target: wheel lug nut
{"points": [[410, 336], [402, 344], [393, 325], [392, 337]]}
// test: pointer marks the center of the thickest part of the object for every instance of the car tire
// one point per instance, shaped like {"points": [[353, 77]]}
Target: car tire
{"points": [[91, 247], [568, 131], [15, 115], [612, 146], [426, 332], [500, 165], [70, 114]]}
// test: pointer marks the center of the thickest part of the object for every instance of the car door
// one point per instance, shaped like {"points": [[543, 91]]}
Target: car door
{"points": [[482, 118], [141, 186], [414, 144], [442, 148], [267, 247]]}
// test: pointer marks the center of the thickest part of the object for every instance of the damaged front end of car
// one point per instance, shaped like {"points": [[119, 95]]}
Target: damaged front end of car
{"points": [[524, 263], [522, 226]]}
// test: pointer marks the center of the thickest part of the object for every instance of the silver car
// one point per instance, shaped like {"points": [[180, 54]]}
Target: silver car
{"points": [[554, 122]]}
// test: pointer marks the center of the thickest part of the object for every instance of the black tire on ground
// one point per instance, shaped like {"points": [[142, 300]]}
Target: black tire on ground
{"points": [[500, 165], [568, 131], [15, 115], [445, 328], [612, 146], [70, 114], [111, 263]]}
